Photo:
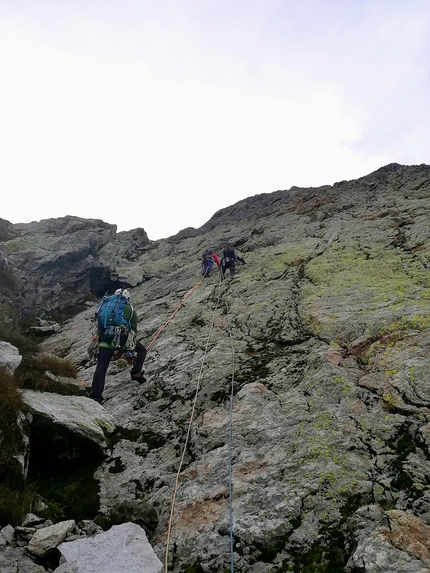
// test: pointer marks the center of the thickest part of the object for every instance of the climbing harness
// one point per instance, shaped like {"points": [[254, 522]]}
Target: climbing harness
{"points": [[184, 449], [93, 348]]}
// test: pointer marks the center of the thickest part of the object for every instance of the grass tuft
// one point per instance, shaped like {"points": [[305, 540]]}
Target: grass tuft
{"points": [[36, 373], [14, 505], [11, 404], [25, 343], [56, 365]]}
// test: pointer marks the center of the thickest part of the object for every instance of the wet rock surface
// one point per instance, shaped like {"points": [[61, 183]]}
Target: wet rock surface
{"points": [[322, 340]]}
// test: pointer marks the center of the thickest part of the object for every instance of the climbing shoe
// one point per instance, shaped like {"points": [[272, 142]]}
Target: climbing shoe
{"points": [[139, 377]]}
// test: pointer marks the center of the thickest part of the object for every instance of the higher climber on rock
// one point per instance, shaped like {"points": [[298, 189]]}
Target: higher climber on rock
{"points": [[117, 329], [228, 260]]}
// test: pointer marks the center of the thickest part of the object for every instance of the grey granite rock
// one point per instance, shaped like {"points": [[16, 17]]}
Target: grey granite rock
{"points": [[48, 538], [72, 426], [10, 357], [122, 548]]}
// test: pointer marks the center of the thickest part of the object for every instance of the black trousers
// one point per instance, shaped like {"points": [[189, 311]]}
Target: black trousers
{"points": [[229, 265], [103, 360]]}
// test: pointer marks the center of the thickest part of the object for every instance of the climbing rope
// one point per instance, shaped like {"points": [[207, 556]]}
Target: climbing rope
{"points": [[184, 449], [160, 330], [230, 436]]}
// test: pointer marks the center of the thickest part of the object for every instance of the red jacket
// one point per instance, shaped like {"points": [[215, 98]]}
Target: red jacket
{"points": [[215, 258]]}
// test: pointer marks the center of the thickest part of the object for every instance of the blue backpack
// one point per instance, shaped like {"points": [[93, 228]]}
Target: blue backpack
{"points": [[111, 314]]}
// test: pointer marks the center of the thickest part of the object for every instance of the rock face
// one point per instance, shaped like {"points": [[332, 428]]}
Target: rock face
{"points": [[55, 264], [314, 358]]}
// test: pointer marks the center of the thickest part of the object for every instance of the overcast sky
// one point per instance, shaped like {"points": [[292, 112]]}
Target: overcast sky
{"points": [[158, 113]]}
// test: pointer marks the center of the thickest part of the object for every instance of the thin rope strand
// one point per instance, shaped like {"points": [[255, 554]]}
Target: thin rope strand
{"points": [[160, 330], [175, 490], [230, 436]]}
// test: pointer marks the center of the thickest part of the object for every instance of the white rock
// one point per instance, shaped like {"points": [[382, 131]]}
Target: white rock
{"points": [[8, 533], [80, 415], [122, 548], [10, 358], [48, 538]]}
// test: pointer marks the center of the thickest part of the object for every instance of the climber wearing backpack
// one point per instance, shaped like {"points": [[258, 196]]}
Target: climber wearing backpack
{"points": [[117, 328], [208, 258], [228, 260]]}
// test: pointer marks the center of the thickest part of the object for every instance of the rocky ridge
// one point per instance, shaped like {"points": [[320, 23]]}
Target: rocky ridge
{"points": [[324, 333], [55, 265]]}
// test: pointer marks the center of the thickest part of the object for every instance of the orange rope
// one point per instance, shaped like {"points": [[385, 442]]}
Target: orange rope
{"points": [[160, 330]]}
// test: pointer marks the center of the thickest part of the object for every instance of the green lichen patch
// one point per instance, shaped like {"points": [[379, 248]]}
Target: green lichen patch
{"points": [[15, 245], [374, 290]]}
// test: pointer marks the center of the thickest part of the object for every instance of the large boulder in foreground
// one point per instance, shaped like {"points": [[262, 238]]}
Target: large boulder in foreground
{"points": [[67, 427], [122, 548]]}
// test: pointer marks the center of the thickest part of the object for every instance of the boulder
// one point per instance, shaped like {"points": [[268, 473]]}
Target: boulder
{"points": [[121, 548], [48, 538], [10, 357], [7, 533], [67, 427], [62, 256]]}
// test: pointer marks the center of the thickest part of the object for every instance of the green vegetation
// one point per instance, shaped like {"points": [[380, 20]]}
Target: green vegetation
{"points": [[69, 491], [14, 500], [9, 332], [11, 404], [192, 568], [55, 365], [32, 373], [376, 288]]}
